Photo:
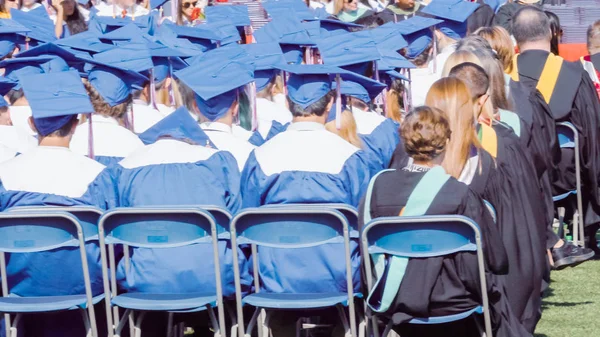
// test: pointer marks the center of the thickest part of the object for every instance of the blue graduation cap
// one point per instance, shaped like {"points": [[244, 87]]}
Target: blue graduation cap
{"points": [[216, 88], [232, 52], [360, 87], [8, 26], [391, 60], [285, 29], [17, 68], [126, 33], [85, 41], [185, 47], [42, 28], [227, 30], [136, 59], [388, 37], [49, 48], [178, 125], [6, 85], [330, 27], [237, 14], [415, 24], [347, 49], [203, 36], [105, 24], [54, 99], [313, 28], [267, 59], [319, 13], [113, 83], [455, 14], [309, 83], [276, 7], [6, 47]]}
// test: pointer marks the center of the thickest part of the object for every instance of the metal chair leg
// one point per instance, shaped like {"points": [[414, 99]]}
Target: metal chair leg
{"points": [[170, 325], [265, 325], [388, 328], [13, 328], [253, 321], [344, 319]]}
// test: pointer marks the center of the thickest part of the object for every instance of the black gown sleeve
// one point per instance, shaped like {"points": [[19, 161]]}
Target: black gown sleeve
{"points": [[493, 249]]}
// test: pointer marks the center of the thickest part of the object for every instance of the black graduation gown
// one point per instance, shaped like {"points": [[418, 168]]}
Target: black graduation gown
{"points": [[446, 285], [509, 183], [574, 99]]}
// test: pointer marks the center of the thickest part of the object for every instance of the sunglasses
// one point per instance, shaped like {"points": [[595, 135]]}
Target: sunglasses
{"points": [[349, 1], [187, 5]]}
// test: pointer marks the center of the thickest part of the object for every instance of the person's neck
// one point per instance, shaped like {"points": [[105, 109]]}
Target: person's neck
{"points": [[424, 163], [311, 118], [55, 141], [534, 45], [444, 42]]}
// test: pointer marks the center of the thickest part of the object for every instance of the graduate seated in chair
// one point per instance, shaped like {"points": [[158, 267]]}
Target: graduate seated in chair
{"points": [[571, 96], [306, 164], [106, 134], [449, 285], [51, 174]]}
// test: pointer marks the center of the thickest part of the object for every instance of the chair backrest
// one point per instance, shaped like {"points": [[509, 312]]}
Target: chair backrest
{"points": [[157, 227], [420, 237], [222, 219], [88, 216], [349, 211], [26, 232], [289, 227], [566, 134]]}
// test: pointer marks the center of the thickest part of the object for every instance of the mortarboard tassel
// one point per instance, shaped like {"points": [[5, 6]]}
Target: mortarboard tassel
{"points": [[90, 138], [27, 42], [152, 90], [114, 6], [338, 102], [170, 77], [409, 86], [434, 39], [381, 98], [252, 92], [405, 99], [284, 79]]}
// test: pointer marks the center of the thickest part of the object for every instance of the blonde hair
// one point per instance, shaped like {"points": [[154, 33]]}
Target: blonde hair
{"points": [[452, 96], [459, 57], [348, 131], [500, 41], [338, 6]]}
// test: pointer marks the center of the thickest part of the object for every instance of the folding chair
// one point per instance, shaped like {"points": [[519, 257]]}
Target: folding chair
{"points": [[424, 237], [290, 228], [349, 211], [568, 138], [159, 227], [30, 232]]}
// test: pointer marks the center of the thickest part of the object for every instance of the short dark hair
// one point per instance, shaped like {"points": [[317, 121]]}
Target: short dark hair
{"points": [[474, 77], [318, 108], [531, 24], [14, 95]]}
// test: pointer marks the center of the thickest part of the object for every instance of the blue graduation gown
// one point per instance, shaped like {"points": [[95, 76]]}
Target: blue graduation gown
{"points": [[305, 164], [172, 172]]}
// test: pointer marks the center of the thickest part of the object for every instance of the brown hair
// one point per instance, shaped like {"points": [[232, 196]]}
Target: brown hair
{"points": [[500, 41], [395, 101], [118, 111], [593, 38], [348, 130], [452, 97], [425, 133]]}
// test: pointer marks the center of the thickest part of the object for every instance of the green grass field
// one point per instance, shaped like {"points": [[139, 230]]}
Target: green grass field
{"points": [[572, 304]]}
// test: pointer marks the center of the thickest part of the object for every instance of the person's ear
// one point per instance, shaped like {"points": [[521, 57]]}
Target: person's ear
{"points": [[438, 34], [168, 82], [235, 108], [483, 99]]}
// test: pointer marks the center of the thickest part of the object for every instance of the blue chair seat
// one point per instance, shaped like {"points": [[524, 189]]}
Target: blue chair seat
{"points": [[165, 302], [447, 319], [296, 301], [17, 304]]}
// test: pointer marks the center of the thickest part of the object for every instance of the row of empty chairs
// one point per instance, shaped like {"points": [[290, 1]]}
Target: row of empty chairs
{"points": [[28, 229]]}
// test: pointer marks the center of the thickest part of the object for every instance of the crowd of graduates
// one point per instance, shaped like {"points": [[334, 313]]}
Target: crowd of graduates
{"points": [[424, 111]]}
